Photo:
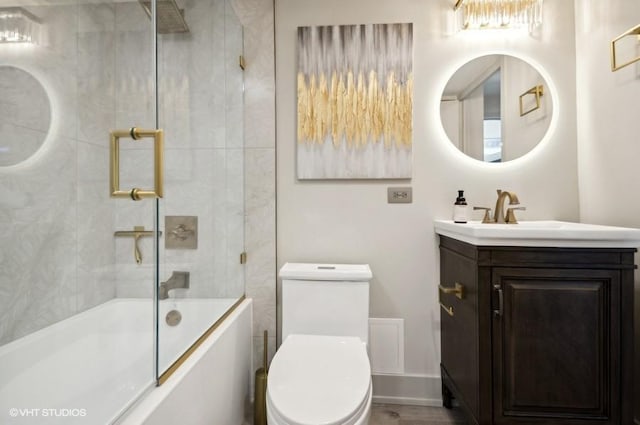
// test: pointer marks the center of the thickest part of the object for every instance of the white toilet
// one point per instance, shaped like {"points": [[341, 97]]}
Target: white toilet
{"points": [[321, 373]]}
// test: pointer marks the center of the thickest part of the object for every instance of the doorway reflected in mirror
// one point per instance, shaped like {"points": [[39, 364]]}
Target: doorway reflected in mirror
{"points": [[480, 108]]}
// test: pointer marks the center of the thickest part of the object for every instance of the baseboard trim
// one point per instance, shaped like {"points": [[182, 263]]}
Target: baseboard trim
{"points": [[407, 389]]}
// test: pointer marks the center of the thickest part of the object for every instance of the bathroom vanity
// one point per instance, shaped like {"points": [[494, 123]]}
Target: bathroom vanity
{"points": [[537, 322]]}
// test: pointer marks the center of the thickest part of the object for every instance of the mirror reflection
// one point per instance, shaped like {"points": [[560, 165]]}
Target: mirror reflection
{"points": [[496, 108], [25, 115]]}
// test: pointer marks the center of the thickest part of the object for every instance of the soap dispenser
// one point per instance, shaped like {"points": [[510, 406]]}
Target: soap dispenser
{"points": [[460, 208]]}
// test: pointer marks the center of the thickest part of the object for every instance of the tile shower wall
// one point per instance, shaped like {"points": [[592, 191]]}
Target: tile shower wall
{"points": [[57, 208], [195, 117], [57, 252], [200, 109]]}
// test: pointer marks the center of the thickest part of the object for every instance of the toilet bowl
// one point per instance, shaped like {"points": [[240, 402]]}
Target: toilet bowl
{"points": [[321, 374], [317, 379]]}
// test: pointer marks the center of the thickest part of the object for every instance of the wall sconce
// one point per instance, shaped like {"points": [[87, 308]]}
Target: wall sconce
{"points": [[18, 26], [492, 14]]}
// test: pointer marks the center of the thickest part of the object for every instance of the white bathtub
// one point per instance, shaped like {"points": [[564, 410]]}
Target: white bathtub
{"points": [[89, 368]]}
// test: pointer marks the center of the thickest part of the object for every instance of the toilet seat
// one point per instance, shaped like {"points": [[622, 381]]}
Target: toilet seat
{"points": [[316, 379]]}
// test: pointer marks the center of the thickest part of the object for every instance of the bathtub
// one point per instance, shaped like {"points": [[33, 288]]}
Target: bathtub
{"points": [[88, 369]]}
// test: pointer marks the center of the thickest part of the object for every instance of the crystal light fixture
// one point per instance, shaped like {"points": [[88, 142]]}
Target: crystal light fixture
{"points": [[18, 26], [492, 14]]}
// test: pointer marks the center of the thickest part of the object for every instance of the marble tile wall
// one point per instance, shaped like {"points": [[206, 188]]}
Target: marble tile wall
{"points": [[57, 245], [200, 109], [59, 255], [25, 115]]}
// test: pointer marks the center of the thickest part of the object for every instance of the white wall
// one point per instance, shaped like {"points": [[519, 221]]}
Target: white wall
{"points": [[350, 221], [607, 114], [608, 126]]}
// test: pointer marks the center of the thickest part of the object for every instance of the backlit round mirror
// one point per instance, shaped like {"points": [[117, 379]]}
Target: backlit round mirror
{"points": [[25, 115], [496, 108]]}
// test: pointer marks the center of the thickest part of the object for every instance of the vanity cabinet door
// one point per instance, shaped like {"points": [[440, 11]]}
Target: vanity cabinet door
{"points": [[555, 346], [459, 331]]}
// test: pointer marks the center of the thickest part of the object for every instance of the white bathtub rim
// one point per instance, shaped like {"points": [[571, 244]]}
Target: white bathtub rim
{"points": [[142, 409]]}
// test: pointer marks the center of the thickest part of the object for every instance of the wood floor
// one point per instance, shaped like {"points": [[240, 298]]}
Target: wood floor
{"points": [[393, 414]]}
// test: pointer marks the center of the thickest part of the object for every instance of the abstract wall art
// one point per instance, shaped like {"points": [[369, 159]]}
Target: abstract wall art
{"points": [[355, 101]]}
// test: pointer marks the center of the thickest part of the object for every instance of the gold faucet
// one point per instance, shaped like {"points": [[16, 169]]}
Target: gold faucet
{"points": [[498, 214]]}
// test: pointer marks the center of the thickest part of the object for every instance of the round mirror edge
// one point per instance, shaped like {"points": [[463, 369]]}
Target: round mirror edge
{"points": [[536, 150], [44, 82]]}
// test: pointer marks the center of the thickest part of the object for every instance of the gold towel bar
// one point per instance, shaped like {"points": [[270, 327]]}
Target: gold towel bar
{"points": [[614, 63], [537, 91], [449, 310], [458, 290]]}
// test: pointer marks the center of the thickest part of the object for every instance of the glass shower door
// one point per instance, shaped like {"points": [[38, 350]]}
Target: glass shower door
{"points": [[101, 295], [200, 107], [76, 296], [128, 73]]}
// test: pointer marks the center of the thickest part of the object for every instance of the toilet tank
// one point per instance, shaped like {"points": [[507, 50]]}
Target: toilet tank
{"points": [[325, 299]]}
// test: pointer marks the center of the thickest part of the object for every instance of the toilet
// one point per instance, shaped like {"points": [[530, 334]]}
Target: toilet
{"points": [[321, 373]]}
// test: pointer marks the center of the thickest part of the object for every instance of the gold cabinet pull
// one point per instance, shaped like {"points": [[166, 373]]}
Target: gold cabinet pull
{"points": [[134, 133], [458, 290]]}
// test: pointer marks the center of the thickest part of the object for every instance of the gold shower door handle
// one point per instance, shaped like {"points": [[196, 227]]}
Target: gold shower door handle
{"points": [[134, 133]]}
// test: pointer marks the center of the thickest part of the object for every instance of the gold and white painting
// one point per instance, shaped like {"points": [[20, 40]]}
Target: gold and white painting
{"points": [[355, 101]]}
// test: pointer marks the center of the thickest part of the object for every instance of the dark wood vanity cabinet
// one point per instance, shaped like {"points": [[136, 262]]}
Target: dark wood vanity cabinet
{"points": [[541, 336]]}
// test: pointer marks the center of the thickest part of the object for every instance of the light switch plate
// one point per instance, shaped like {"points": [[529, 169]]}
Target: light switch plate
{"points": [[399, 195]]}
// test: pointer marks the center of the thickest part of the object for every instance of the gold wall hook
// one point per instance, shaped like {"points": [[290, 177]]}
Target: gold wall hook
{"points": [[134, 133], [614, 63], [537, 91], [137, 233]]}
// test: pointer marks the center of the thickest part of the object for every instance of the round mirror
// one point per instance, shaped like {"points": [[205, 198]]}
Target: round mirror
{"points": [[496, 108], [25, 115]]}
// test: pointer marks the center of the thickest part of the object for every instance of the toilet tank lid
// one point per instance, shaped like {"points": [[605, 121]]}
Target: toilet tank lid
{"points": [[342, 272]]}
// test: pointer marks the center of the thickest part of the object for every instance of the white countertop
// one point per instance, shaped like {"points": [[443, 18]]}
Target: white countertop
{"points": [[540, 233]]}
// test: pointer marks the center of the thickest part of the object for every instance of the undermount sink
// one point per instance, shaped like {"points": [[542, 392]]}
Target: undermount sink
{"points": [[540, 233]]}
